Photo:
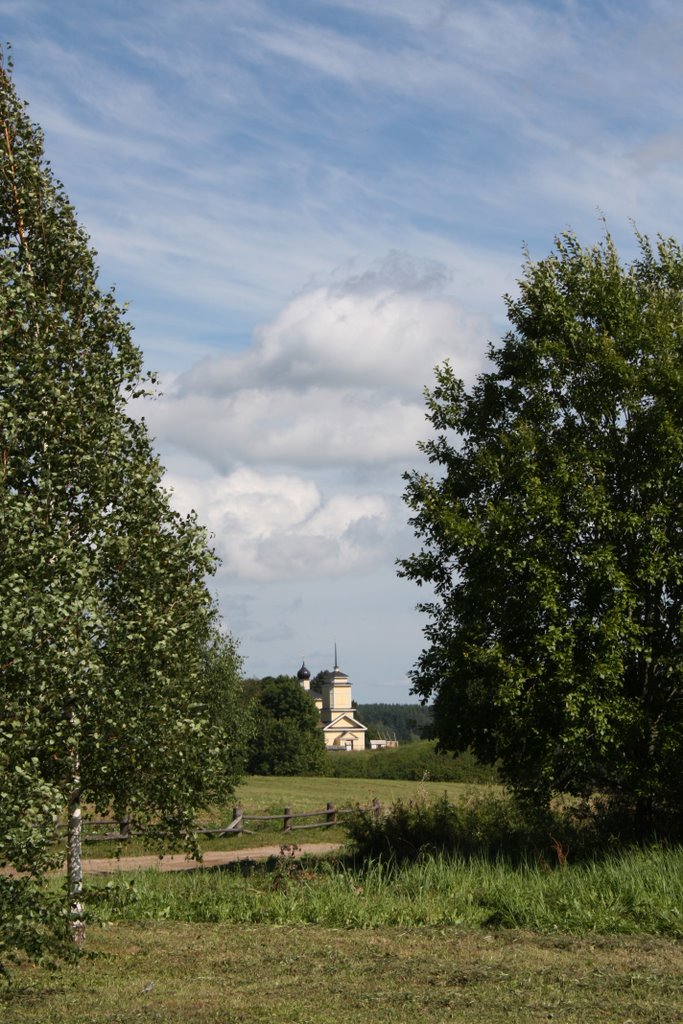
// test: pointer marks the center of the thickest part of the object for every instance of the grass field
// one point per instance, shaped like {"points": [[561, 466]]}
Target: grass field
{"points": [[171, 973], [271, 794], [439, 939], [261, 792]]}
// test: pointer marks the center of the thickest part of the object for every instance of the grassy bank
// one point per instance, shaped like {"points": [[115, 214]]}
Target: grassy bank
{"points": [[173, 973], [636, 892]]}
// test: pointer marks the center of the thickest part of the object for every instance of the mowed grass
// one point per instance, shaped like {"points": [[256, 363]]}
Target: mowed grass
{"points": [[174, 973]]}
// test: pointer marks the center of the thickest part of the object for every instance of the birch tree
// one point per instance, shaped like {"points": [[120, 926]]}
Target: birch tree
{"points": [[105, 615]]}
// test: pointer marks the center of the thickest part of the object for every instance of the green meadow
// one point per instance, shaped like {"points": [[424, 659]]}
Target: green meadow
{"points": [[263, 795], [438, 938], [306, 794]]}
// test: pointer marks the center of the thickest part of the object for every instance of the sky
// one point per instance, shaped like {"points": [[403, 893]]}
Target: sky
{"points": [[309, 204]]}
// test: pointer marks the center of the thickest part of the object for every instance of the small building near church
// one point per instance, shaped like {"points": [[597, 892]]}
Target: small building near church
{"points": [[341, 728], [382, 744]]}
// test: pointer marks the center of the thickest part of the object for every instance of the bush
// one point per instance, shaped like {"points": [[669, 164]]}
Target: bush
{"points": [[415, 761], [493, 827]]}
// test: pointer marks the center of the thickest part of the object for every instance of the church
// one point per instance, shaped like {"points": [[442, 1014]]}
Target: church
{"points": [[341, 729]]}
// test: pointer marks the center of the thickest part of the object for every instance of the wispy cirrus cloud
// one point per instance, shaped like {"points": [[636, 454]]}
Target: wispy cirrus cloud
{"points": [[244, 165]]}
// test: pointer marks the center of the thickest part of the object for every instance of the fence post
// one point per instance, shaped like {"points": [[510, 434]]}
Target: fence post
{"points": [[376, 809], [238, 819], [124, 827], [287, 819], [331, 814]]}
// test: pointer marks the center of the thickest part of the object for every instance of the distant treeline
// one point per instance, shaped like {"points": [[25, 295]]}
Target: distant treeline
{"points": [[404, 722], [415, 761]]}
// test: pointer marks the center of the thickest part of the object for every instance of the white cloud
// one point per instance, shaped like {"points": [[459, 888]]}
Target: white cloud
{"points": [[273, 441], [335, 380], [279, 527], [320, 427]]}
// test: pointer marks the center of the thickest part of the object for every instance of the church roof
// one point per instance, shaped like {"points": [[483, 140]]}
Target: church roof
{"points": [[336, 672], [303, 672]]}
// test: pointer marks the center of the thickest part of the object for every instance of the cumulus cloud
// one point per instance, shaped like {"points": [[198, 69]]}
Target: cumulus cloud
{"points": [[335, 380], [319, 429], [380, 329], [276, 527], [271, 444]]}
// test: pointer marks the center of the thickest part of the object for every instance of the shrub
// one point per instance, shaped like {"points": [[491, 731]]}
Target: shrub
{"points": [[493, 827], [414, 761]]}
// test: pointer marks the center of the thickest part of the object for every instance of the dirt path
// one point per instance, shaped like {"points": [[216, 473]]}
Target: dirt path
{"points": [[179, 862], [212, 858]]}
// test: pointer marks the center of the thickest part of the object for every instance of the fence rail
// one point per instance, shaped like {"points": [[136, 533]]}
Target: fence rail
{"points": [[330, 814]]}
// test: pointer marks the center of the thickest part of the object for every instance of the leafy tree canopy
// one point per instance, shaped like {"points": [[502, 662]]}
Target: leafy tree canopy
{"points": [[107, 629], [552, 534], [288, 739]]}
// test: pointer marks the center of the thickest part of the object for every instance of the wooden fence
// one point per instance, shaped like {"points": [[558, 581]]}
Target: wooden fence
{"points": [[330, 815]]}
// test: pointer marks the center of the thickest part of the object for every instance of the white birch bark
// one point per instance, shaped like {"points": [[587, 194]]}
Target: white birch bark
{"points": [[74, 863]]}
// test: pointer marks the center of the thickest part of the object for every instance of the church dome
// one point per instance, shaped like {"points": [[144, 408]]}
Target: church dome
{"points": [[303, 672]]}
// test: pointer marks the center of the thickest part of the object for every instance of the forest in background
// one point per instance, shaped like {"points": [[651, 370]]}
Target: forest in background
{"points": [[403, 722]]}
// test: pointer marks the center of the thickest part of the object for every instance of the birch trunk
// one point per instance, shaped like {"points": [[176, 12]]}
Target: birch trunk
{"points": [[74, 863]]}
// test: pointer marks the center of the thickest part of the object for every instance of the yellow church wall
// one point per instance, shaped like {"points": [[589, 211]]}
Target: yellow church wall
{"points": [[336, 740]]}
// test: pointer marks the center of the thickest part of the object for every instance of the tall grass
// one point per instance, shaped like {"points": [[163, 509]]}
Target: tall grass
{"points": [[637, 891]]}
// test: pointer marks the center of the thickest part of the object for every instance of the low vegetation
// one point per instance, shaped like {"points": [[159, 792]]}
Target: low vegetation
{"points": [[479, 862], [487, 934], [630, 893], [414, 761], [493, 824]]}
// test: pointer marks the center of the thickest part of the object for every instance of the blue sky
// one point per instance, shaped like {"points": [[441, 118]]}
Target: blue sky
{"points": [[308, 205]]}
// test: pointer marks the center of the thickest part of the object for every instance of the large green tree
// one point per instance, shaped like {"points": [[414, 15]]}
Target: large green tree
{"points": [[106, 623], [287, 739], [552, 534]]}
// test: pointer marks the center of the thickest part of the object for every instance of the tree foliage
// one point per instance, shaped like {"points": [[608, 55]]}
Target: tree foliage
{"points": [[552, 534], [403, 722], [106, 622], [287, 736]]}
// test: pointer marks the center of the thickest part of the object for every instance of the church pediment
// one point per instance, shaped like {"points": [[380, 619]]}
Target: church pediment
{"points": [[345, 721]]}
